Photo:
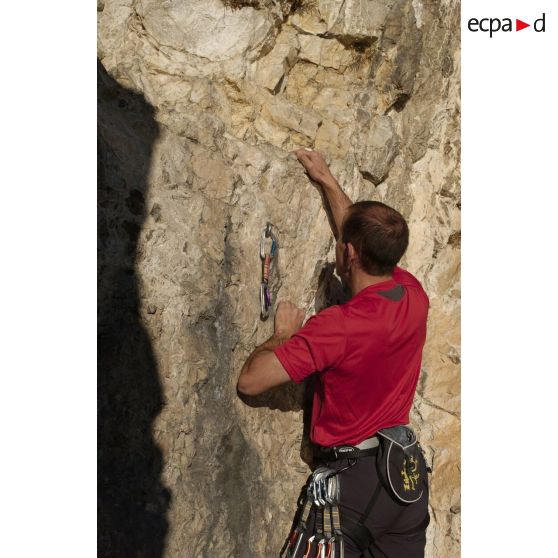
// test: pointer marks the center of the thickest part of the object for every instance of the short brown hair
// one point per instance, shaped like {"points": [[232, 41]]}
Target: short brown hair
{"points": [[379, 234]]}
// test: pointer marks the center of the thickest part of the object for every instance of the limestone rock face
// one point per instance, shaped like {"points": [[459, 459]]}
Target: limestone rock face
{"points": [[378, 148], [200, 103]]}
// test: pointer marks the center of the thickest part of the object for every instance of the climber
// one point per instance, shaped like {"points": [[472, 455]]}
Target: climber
{"points": [[366, 357]]}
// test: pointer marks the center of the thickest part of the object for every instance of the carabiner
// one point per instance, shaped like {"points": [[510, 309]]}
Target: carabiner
{"points": [[264, 310], [265, 295], [268, 233], [309, 544]]}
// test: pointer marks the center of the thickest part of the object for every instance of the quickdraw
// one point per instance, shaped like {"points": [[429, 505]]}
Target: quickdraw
{"points": [[267, 261], [323, 493]]}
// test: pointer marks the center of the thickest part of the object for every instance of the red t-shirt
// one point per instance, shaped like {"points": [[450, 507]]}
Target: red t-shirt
{"points": [[367, 356]]}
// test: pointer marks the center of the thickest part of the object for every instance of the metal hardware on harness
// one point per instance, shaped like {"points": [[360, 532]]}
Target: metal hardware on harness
{"points": [[322, 494], [297, 535], [331, 515], [267, 260], [309, 544]]}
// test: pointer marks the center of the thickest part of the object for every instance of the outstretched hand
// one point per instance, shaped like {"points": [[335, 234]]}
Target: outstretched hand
{"points": [[315, 165], [288, 319]]}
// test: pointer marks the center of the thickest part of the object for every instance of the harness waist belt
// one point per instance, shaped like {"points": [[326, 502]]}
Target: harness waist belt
{"points": [[367, 447], [373, 442]]}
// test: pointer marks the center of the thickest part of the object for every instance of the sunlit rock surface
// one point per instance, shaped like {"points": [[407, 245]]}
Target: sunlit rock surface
{"points": [[200, 103]]}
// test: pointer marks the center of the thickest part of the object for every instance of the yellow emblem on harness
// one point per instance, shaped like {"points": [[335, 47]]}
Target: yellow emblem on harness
{"points": [[410, 474]]}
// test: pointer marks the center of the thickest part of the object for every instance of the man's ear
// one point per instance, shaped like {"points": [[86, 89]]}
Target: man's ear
{"points": [[351, 253]]}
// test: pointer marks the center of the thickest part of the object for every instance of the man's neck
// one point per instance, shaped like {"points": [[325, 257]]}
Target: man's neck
{"points": [[361, 280]]}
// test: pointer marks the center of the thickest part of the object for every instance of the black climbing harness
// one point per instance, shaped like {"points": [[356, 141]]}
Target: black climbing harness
{"points": [[267, 266], [402, 471]]}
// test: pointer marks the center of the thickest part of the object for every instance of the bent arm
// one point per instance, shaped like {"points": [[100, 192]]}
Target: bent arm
{"points": [[263, 370]]}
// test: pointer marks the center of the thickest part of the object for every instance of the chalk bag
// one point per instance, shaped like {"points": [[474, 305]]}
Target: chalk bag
{"points": [[401, 465]]}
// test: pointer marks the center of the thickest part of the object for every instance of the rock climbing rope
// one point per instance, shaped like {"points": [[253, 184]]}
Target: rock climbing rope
{"points": [[267, 265]]}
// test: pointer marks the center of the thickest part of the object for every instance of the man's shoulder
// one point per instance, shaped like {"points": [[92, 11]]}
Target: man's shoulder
{"points": [[330, 318], [404, 277], [329, 321], [408, 280]]}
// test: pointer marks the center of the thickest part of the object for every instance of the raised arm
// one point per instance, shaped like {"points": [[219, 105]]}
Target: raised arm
{"points": [[317, 169]]}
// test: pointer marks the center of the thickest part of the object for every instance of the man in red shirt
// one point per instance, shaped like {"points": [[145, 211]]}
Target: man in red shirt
{"points": [[366, 355]]}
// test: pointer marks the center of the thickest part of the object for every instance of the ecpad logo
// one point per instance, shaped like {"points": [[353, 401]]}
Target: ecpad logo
{"points": [[493, 25]]}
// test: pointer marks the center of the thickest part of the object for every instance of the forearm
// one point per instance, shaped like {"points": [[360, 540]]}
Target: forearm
{"points": [[338, 202], [262, 369], [268, 346]]}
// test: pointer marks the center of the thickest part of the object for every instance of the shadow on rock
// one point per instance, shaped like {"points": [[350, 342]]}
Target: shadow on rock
{"points": [[330, 289], [132, 500], [284, 398]]}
